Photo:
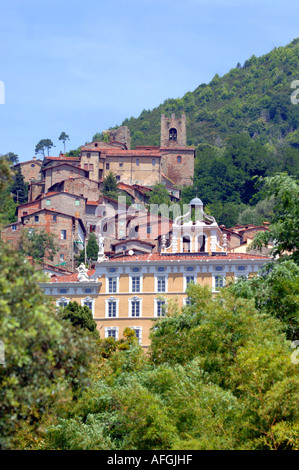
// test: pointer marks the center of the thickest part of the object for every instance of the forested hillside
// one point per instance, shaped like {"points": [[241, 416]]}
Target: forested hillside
{"points": [[242, 124]]}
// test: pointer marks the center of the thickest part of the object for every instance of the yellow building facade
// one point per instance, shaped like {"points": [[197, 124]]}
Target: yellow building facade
{"points": [[134, 290]]}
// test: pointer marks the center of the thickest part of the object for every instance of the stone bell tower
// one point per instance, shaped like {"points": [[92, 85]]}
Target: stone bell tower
{"points": [[173, 131], [177, 159]]}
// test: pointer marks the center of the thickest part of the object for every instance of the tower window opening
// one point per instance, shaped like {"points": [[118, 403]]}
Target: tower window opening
{"points": [[173, 134]]}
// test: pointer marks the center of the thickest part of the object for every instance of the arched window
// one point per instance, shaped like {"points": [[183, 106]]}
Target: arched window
{"points": [[179, 159], [173, 134]]}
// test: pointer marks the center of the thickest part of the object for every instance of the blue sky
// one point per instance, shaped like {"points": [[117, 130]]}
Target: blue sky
{"points": [[84, 66]]}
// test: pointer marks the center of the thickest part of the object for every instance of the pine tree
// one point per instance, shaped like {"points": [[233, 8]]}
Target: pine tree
{"points": [[19, 189], [92, 249]]}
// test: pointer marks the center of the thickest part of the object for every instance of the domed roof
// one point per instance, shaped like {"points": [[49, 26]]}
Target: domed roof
{"points": [[196, 202]]}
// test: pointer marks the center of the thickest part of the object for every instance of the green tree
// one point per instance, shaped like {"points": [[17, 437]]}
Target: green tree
{"points": [[12, 158], [284, 225], [276, 292], [92, 249], [45, 358], [42, 145], [159, 195], [79, 316], [64, 137], [7, 204], [110, 186], [19, 188], [39, 244], [241, 352]]}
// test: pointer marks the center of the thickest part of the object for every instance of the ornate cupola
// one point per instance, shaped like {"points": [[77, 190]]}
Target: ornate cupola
{"points": [[196, 232]]}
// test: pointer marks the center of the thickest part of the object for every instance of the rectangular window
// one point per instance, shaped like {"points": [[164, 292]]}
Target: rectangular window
{"points": [[48, 202], [107, 166], [86, 166], [161, 284], [111, 333], [112, 284], [138, 333], [153, 161], [219, 282], [61, 257], [148, 229], [189, 279], [63, 234], [160, 308], [135, 308], [137, 161], [121, 164], [77, 202], [112, 308], [136, 284], [117, 178], [54, 218], [36, 218], [88, 303], [88, 154], [14, 228]]}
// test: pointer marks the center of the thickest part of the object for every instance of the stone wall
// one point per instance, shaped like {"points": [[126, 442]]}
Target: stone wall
{"points": [[60, 173], [179, 124], [178, 165], [69, 204], [31, 170]]}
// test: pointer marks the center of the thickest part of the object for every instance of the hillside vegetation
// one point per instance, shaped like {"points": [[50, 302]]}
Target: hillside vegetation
{"points": [[242, 125]]}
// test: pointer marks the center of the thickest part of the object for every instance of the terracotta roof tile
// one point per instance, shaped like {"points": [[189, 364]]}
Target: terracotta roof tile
{"points": [[69, 277], [189, 257]]}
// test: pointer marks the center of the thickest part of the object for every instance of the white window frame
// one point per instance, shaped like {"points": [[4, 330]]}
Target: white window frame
{"points": [[138, 328], [156, 302], [214, 281], [185, 301], [185, 279], [91, 300], [135, 299], [111, 328], [108, 276], [111, 299], [131, 283], [62, 299], [238, 275], [157, 276]]}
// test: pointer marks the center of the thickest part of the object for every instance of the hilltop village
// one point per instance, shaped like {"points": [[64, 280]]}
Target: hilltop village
{"points": [[144, 259]]}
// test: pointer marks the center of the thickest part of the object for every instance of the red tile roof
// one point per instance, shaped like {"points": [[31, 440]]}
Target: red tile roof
{"points": [[69, 277], [189, 257], [92, 203], [62, 157]]}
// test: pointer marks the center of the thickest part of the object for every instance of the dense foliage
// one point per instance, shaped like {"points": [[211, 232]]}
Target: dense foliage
{"points": [[92, 249], [45, 358], [242, 125], [39, 244]]}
